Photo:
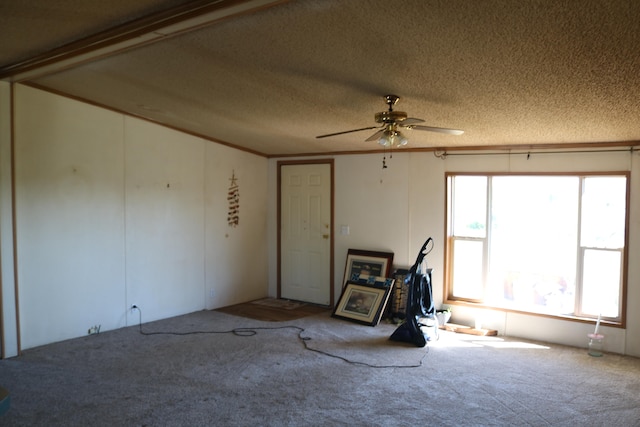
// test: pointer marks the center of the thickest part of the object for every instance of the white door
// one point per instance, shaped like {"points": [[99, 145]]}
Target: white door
{"points": [[305, 232]]}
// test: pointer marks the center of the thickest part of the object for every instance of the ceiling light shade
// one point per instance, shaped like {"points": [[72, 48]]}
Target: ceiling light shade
{"points": [[386, 138], [392, 138]]}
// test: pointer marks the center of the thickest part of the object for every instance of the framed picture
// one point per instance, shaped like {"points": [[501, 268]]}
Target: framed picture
{"points": [[375, 281], [362, 263], [362, 303]]}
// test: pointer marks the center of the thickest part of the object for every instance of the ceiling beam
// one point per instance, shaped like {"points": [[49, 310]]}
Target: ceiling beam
{"points": [[142, 31]]}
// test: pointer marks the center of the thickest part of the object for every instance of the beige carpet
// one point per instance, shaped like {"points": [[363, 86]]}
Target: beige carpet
{"points": [[202, 374]]}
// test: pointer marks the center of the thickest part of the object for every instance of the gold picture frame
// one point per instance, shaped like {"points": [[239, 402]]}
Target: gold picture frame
{"points": [[363, 303]]}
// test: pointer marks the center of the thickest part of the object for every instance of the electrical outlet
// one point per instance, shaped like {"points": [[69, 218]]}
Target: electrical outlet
{"points": [[212, 293]]}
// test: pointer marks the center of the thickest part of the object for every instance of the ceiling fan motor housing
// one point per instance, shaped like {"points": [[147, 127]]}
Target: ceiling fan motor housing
{"points": [[390, 116]]}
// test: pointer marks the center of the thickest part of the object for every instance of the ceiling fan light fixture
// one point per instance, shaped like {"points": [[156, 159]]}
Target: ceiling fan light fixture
{"points": [[392, 138], [386, 139]]}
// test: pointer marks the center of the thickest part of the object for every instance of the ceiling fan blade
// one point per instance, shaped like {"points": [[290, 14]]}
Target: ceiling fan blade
{"points": [[346, 131], [434, 129], [411, 121], [376, 135]]}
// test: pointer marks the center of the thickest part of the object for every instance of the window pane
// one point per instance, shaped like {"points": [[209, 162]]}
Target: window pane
{"points": [[469, 206], [601, 282], [467, 269], [549, 244], [603, 212], [533, 245]]}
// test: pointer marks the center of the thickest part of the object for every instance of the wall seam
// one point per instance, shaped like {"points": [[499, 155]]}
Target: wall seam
{"points": [[14, 215], [206, 302], [124, 218]]}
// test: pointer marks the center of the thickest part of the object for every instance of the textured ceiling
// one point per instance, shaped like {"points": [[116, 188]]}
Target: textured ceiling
{"points": [[270, 77], [34, 27]]}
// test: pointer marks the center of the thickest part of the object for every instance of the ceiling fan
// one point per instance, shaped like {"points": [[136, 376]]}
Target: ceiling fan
{"points": [[391, 122]]}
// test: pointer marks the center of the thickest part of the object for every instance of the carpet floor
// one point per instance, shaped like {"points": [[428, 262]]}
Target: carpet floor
{"points": [[211, 368]]}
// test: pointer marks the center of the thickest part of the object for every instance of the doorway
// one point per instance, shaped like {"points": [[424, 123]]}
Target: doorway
{"points": [[305, 231]]}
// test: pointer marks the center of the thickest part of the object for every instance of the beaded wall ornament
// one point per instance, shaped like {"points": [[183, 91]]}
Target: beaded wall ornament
{"points": [[233, 197]]}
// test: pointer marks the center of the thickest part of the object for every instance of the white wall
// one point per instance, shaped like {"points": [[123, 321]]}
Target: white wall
{"points": [[70, 223], [8, 310], [373, 203], [113, 211], [236, 258], [164, 220], [398, 208]]}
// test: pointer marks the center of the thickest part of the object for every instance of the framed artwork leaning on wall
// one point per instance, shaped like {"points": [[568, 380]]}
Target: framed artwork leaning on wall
{"points": [[363, 302], [362, 264]]}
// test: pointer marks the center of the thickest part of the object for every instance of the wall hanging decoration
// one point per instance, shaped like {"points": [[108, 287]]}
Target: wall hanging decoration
{"points": [[233, 197]]}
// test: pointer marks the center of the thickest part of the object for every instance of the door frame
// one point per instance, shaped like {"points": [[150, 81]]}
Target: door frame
{"points": [[282, 163]]}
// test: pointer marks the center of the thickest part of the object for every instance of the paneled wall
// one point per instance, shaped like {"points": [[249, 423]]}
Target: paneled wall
{"points": [[398, 208], [113, 211]]}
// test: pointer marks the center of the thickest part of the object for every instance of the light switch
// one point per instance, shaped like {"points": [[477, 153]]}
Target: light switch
{"points": [[344, 230]]}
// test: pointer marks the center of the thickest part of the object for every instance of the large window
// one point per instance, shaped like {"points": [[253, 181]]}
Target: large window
{"points": [[548, 244]]}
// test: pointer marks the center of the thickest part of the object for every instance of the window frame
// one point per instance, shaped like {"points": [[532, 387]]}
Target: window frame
{"points": [[578, 315]]}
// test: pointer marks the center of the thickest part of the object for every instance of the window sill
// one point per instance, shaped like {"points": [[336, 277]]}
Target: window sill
{"points": [[570, 318]]}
